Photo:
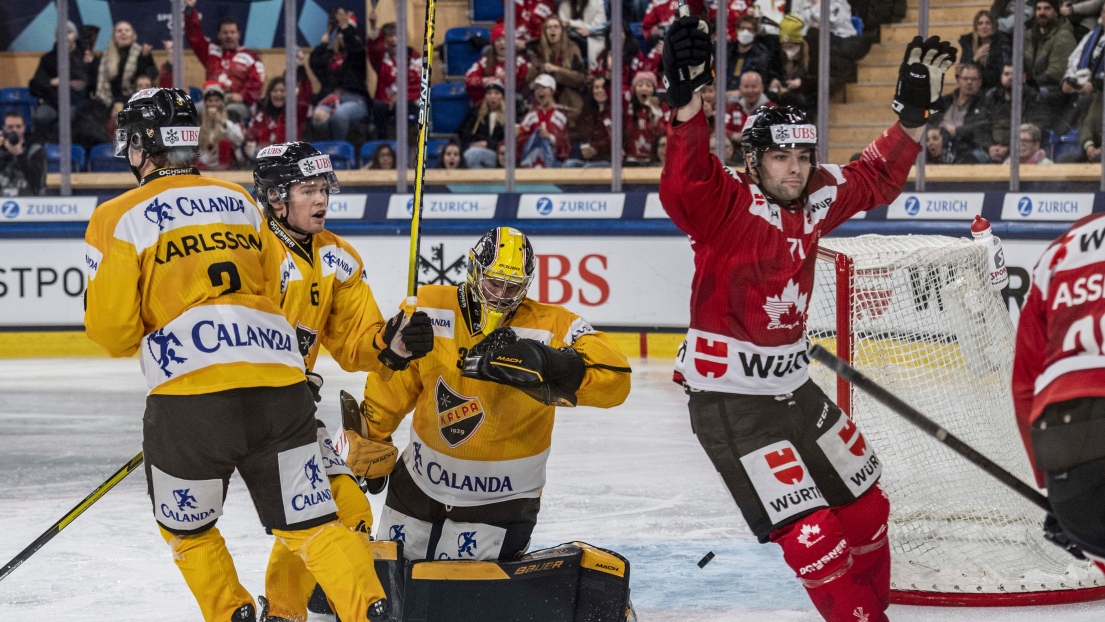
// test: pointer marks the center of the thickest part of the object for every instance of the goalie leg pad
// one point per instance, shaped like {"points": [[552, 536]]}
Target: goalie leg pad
{"points": [[817, 549], [1077, 499], [209, 572], [568, 583]]}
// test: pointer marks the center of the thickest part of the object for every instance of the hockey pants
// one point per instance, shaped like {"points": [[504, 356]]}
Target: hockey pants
{"points": [[288, 583], [842, 557]]}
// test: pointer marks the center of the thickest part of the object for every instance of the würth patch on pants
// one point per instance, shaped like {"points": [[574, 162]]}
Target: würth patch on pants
{"points": [[783, 456]]}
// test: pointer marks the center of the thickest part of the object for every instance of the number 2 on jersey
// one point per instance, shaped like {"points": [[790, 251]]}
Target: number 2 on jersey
{"points": [[216, 271]]}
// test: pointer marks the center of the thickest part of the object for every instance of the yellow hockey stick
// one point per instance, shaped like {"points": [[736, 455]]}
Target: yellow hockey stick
{"points": [[420, 166]]}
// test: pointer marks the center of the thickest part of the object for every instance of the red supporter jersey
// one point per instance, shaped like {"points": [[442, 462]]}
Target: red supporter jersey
{"points": [[239, 71], [474, 77], [1059, 355], [530, 16], [387, 74], [754, 260], [554, 122], [663, 12]]}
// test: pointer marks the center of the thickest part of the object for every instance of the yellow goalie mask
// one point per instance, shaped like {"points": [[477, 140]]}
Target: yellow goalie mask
{"points": [[500, 269]]}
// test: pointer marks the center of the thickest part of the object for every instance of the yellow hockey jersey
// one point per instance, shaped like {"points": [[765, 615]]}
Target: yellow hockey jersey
{"points": [[324, 292], [475, 442], [180, 269]]}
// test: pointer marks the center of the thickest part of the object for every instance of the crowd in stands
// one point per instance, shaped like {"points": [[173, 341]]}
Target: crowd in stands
{"points": [[563, 74]]}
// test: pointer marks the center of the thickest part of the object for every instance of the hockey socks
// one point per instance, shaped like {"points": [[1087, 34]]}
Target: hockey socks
{"points": [[209, 572], [288, 583], [342, 565], [842, 559]]}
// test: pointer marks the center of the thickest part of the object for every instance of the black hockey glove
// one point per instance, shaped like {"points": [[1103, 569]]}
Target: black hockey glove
{"points": [[1054, 533], [921, 79], [314, 383], [404, 339], [687, 55], [549, 375]]}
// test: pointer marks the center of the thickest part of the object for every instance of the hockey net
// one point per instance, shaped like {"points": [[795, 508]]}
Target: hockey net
{"points": [[916, 314]]}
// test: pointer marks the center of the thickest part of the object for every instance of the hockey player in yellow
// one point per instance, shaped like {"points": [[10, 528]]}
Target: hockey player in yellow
{"points": [[326, 297], [180, 270], [469, 483]]}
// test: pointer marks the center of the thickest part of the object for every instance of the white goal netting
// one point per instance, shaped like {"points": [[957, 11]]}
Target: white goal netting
{"points": [[925, 325]]}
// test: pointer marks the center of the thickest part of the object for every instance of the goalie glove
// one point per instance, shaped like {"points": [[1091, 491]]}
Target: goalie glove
{"points": [[921, 79], [368, 459], [404, 339], [686, 58], [549, 375]]}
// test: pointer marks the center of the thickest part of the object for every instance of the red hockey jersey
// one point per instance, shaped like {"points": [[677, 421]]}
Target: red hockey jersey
{"points": [[754, 260], [530, 16], [1059, 355], [238, 71]]}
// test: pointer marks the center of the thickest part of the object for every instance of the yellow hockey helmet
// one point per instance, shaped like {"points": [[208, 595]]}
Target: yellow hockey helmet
{"points": [[500, 270]]}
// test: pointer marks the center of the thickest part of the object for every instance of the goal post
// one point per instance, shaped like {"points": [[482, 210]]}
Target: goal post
{"points": [[916, 315]]}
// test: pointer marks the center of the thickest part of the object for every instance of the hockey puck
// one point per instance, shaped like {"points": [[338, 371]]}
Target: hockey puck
{"points": [[706, 559]]}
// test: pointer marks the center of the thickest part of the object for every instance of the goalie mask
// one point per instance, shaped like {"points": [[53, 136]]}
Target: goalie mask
{"points": [[282, 164], [156, 121], [500, 269]]}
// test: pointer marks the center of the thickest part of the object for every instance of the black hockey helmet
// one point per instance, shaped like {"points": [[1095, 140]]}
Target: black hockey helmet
{"points": [[280, 165], [781, 127], [157, 120]]}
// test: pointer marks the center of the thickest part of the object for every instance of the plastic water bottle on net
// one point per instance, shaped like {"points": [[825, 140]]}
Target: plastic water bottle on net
{"points": [[984, 235]]}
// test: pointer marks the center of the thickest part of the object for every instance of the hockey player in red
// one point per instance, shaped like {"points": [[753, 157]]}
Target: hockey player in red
{"points": [[237, 69], [802, 474], [1059, 386]]}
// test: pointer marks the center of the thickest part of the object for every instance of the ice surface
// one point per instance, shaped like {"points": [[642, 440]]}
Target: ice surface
{"points": [[632, 479]]}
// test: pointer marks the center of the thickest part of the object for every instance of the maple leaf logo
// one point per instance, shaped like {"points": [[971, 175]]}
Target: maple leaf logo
{"points": [[788, 309], [811, 535], [860, 615]]}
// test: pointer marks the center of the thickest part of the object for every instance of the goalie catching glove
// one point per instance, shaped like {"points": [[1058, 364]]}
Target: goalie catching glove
{"points": [[549, 375], [404, 339], [921, 79], [368, 459]]}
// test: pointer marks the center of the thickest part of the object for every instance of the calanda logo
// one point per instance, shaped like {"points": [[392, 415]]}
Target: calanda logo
{"points": [[458, 416]]}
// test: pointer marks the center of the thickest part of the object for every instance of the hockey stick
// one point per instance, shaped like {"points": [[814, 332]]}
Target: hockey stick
{"points": [[72, 515], [420, 166], [928, 426]]}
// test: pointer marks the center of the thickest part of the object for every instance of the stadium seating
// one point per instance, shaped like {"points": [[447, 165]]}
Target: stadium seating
{"points": [[195, 94], [459, 53], [858, 24], [342, 154], [486, 10], [638, 30], [1063, 146], [19, 98], [448, 105], [53, 158], [102, 160], [433, 151], [369, 148]]}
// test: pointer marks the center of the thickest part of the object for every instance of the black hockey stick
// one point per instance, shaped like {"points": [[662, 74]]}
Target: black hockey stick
{"points": [[72, 515], [928, 426]]}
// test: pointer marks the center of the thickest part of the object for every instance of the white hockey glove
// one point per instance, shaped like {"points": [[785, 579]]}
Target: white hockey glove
{"points": [[921, 79]]}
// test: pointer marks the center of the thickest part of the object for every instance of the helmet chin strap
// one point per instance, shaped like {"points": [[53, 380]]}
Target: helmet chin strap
{"points": [[137, 170]]}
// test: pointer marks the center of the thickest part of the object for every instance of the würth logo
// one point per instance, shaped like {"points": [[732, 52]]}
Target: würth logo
{"points": [[784, 466]]}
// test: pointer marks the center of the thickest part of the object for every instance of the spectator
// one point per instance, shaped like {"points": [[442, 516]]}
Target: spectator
{"points": [[1089, 136], [661, 13], [642, 121], [737, 10], [1047, 47], [750, 53], [500, 153], [1003, 11], [935, 141], [543, 140], [591, 143], [119, 67], [1082, 14], [844, 40], [238, 70], [382, 45], [558, 56], [964, 119], [142, 82], [339, 65], [587, 25], [383, 158], [221, 139], [529, 19], [662, 149], [1086, 64], [22, 166], [633, 60], [729, 152], [987, 47], [484, 127], [268, 125], [998, 102], [748, 100], [1031, 152], [796, 86], [44, 85], [491, 66], [450, 157]]}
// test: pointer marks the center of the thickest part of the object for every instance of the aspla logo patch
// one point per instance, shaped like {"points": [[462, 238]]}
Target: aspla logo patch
{"points": [[458, 416]]}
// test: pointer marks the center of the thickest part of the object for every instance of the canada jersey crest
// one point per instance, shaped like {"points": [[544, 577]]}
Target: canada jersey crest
{"points": [[788, 309], [458, 416]]}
